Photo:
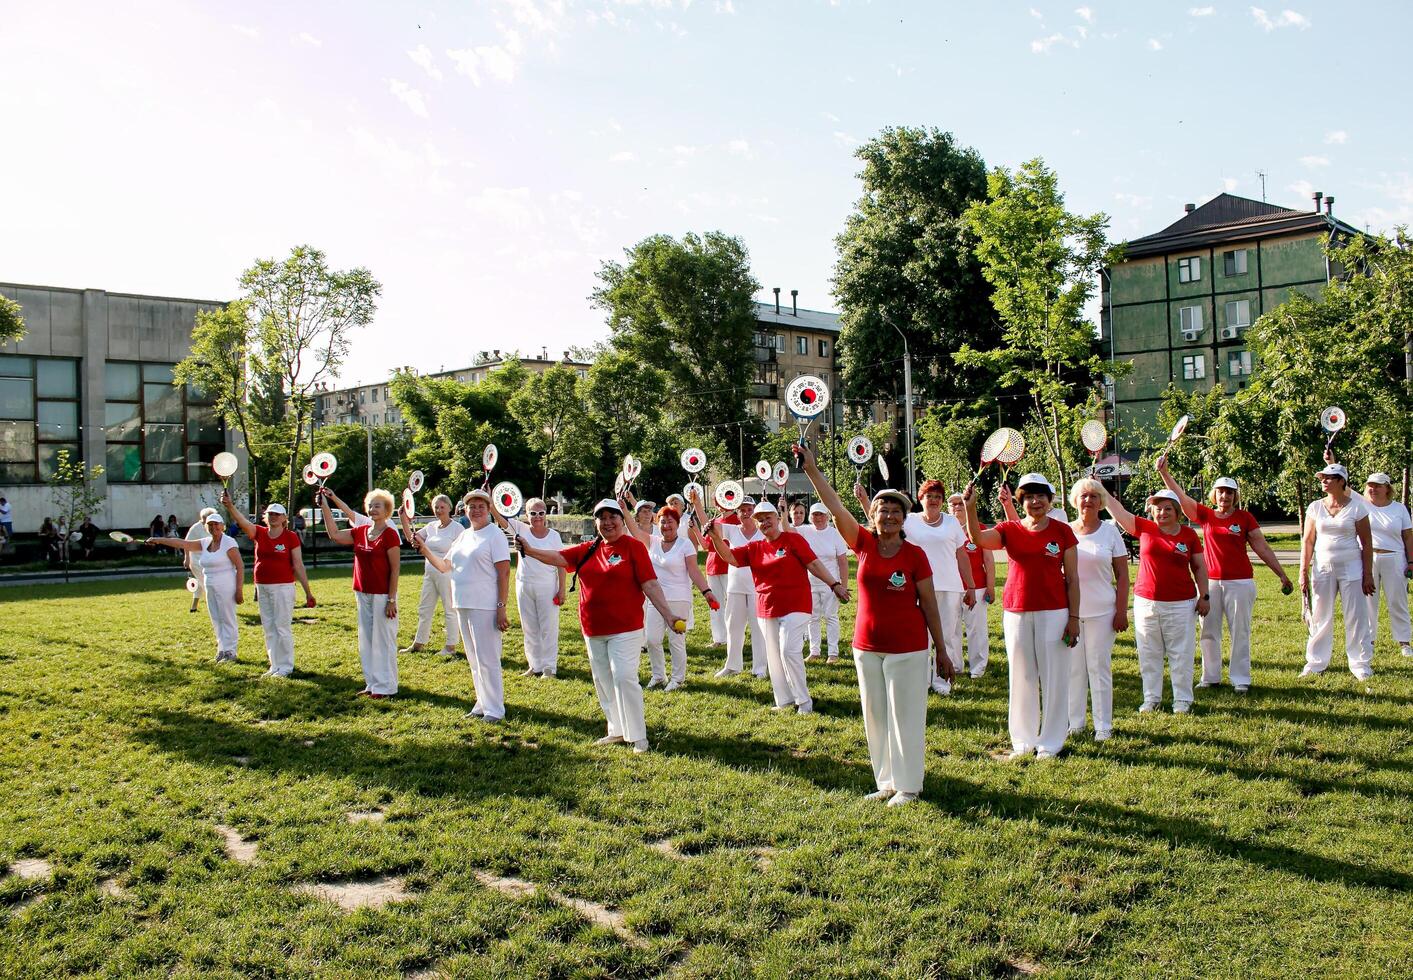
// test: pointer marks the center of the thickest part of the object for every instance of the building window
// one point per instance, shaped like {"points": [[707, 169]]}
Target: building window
{"points": [[824, 376], [1190, 269], [362, 397], [375, 394], [824, 348], [157, 432], [1234, 262], [1190, 319], [1239, 313], [39, 415], [1194, 367], [1238, 363], [767, 373]]}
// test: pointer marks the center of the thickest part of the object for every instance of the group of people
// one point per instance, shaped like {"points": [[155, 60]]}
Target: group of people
{"points": [[62, 544]]}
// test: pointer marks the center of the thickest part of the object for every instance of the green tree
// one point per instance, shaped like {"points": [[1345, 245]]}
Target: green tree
{"points": [[551, 414], [905, 262], [348, 441], [71, 489], [12, 321], [949, 439]]}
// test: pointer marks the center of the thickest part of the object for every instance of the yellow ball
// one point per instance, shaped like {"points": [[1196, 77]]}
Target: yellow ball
{"points": [[680, 624]]}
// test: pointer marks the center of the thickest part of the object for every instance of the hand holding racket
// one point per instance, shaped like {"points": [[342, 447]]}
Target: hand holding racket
{"points": [[1178, 429]]}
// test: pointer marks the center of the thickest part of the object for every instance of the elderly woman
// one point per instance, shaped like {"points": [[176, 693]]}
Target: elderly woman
{"points": [[439, 536], [829, 547], [223, 570], [1391, 531], [1171, 589], [539, 590], [740, 592], [975, 627], [1337, 562], [377, 554], [716, 573], [1041, 618], [478, 565], [617, 573], [1102, 566], [279, 563], [1227, 530], [798, 518], [897, 614], [674, 557], [197, 532]]}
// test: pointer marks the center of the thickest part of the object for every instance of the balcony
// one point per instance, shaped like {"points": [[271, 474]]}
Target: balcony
{"points": [[758, 390], [765, 355]]}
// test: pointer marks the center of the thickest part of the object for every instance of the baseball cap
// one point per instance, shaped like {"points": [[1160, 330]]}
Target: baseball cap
{"points": [[1379, 477], [607, 504], [1224, 483], [276, 509], [766, 507], [1335, 469], [747, 501], [1166, 495], [818, 509], [1035, 480]]}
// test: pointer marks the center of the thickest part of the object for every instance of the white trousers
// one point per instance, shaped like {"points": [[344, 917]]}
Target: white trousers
{"points": [[377, 643], [1091, 669], [893, 695], [483, 643], [1390, 583], [740, 611], [276, 613], [539, 621], [436, 585], [949, 608], [976, 628], [1165, 632], [655, 629], [824, 621], [613, 662], [718, 616], [1232, 599], [220, 605], [785, 652], [1325, 587], [1040, 679]]}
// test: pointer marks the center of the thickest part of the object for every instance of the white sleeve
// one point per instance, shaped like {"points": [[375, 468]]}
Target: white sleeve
{"points": [[1117, 547], [1406, 522], [500, 548]]}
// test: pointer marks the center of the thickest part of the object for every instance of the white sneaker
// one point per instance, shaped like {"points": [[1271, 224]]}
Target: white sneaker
{"points": [[902, 799], [640, 746], [477, 710], [1405, 650], [940, 685], [1205, 684], [726, 672], [1241, 688], [1310, 672], [1362, 675], [675, 685], [529, 672], [1147, 707], [881, 794], [610, 740], [807, 707], [1045, 754], [548, 675], [977, 674], [656, 682], [1182, 707], [1103, 735]]}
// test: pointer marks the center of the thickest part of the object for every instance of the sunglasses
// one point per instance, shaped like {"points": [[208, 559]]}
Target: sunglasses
{"points": [[537, 513]]}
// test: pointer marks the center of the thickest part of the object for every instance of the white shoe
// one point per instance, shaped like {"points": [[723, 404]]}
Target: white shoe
{"points": [[1310, 672], [1148, 706], [1241, 688], [760, 674], [529, 672], [1205, 684], [806, 707], [726, 672], [548, 675], [813, 656], [655, 683], [835, 659], [1405, 651], [1362, 675], [1182, 707], [976, 675], [610, 740], [1045, 754], [477, 710], [640, 746], [675, 685], [902, 799], [941, 686], [1103, 735], [881, 794]]}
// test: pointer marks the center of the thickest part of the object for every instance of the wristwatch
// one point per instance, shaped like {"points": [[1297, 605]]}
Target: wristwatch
{"points": [[500, 605], [1206, 597]]}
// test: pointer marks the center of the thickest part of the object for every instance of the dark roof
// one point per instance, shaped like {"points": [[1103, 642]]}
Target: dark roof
{"points": [[804, 319], [1228, 218]]}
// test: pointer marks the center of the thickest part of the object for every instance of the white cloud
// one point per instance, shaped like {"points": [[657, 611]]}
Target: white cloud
{"points": [[725, 7], [739, 148], [1302, 188], [1286, 18], [422, 57], [844, 139], [1336, 136], [682, 150], [246, 30], [1036, 14], [304, 37], [499, 61], [830, 117], [408, 96], [1154, 44], [1230, 184], [1085, 13], [1041, 45], [1314, 161], [1134, 201], [623, 156], [1201, 11], [540, 18]]}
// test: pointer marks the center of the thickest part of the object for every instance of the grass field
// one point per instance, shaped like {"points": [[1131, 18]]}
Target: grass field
{"points": [[1266, 835]]}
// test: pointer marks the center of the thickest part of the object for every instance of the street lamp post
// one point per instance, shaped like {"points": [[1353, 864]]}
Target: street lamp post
{"points": [[908, 410]]}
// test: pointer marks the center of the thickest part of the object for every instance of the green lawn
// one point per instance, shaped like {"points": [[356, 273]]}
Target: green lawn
{"points": [[1268, 835]]}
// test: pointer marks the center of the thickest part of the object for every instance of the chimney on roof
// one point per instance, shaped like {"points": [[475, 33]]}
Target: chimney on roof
{"points": [[1318, 195], [1189, 208], [794, 302], [544, 353], [497, 354], [566, 356], [777, 300], [1329, 205]]}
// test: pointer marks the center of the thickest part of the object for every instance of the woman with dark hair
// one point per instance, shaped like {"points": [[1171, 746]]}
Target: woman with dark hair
{"points": [[1337, 562], [279, 563]]}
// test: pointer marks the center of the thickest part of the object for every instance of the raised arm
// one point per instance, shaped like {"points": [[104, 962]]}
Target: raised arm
{"points": [[1190, 507], [335, 533], [630, 519], [347, 511], [1120, 513], [1257, 539], [180, 544], [989, 538], [718, 543], [844, 521], [1008, 503], [247, 528]]}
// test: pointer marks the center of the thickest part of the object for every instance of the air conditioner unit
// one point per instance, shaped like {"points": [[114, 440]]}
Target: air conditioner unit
{"points": [[1229, 333], [1191, 333]]}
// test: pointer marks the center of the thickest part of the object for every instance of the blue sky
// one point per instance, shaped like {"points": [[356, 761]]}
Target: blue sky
{"points": [[483, 158]]}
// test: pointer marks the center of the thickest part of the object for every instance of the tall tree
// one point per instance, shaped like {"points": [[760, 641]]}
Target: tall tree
{"points": [[550, 411], [12, 321], [905, 264]]}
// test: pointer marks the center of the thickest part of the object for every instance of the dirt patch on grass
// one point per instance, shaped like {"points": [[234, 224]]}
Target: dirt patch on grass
{"points": [[349, 895], [599, 915], [31, 869], [667, 849], [365, 816], [109, 888], [238, 849]]}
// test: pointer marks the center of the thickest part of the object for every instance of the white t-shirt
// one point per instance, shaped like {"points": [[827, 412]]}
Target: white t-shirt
{"points": [[216, 565], [827, 546], [670, 563], [1095, 555], [440, 539], [531, 571], [1336, 543], [473, 560], [941, 543], [738, 580], [5, 513], [1387, 524]]}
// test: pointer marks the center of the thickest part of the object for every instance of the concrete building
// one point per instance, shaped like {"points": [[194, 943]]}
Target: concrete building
{"points": [[1178, 305], [93, 375], [788, 343]]}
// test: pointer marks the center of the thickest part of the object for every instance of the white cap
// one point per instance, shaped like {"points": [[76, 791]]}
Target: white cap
{"points": [[1335, 469], [1166, 495], [1380, 477], [276, 509], [644, 503], [676, 496], [1035, 480], [747, 501], [819, 509], [607, 504], [765, 507], [1223, 483], [896, 495], [214, 518], [479, 494]]}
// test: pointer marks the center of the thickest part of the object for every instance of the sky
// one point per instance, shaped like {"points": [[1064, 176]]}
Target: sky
{"points": [[483, 158]]}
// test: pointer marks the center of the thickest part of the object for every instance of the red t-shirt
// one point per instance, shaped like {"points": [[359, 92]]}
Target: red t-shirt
{"points": [[889, 619], [612, 584], [1165, 562], [1225, 541], [716, 565], [778, 569], [977, 557], [1035, 576], [371, 568], [273, 556]]}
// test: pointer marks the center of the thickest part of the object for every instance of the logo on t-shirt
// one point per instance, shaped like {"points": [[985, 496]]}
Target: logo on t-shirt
{"points": [[779, 552], [1234, 528], [897, 580], [614, 560], [1180, 548], [279, 547], [970, 546], [1052, 548]]}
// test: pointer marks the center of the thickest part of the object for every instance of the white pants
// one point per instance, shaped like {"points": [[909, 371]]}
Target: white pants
{"points": [[656, 629], [483, 642], [377, 643], [824, 621], [436, 585], [949, 608], [718, 616], [785, 652], [1325, 586], [893, 695], [539, 621], [1040, 679], [1091, 668], [613, 662], [976, 627], [196, 572], [276, 611], [1389, 580], [1164, 631], [1232, 599], [220, 605], [741, 610]]}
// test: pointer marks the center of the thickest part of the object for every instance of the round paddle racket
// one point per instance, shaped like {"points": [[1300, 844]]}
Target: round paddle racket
{"points": [[1178, 429], [728, 494], [1011, 452], [1095, 437], [1332, 420], [225, 466], [990, 450]]}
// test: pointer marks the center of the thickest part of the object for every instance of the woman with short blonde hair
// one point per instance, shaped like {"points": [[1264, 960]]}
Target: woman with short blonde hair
{"points": [[1102, 566], [377, 553], [439, 536]]}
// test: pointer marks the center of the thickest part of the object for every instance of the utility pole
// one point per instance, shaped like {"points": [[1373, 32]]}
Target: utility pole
{"points": [[908, 410]]}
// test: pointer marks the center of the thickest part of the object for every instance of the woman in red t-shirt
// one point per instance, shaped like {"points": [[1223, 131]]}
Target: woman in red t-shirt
{"points": [[1226, 532], [278, 563], [897, 613], [616, 572], [1171, 574], [1041, 618], [377, 552]]}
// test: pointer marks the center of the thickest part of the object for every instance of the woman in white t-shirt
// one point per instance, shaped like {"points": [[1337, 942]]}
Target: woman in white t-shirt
{"points": [[829, 547], [1103, 608], [740, 596], [674, 558], [439, 536], [223, 572], [1336, 561], [539, 589], [479, 567], [1392, 533], [197, 532]]}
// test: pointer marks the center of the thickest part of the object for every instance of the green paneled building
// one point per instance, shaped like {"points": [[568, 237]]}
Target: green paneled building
{"points": [[1178, 305]]}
